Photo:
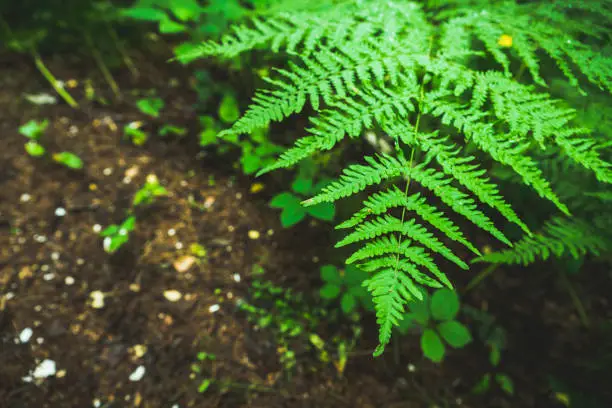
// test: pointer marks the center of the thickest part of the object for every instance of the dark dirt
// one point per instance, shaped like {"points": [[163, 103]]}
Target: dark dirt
{"points": [[50, 265]]}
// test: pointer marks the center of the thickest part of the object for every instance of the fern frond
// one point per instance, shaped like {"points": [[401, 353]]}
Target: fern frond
{"points": [[411, 229], [414, 73], [392, 245], [380, 203], [357, 177], [559, 236], [502, 148]]}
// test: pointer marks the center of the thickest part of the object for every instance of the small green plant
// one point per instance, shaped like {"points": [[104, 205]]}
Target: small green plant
{"points": [[150, 106], [503, 380], [347, 285], [151, 190], [303, 186], [68, 159], [135, 134], [196, 369], [167, 130], [116, 235], [294, 322], [33, 130], [435, 315], [494, 337]]}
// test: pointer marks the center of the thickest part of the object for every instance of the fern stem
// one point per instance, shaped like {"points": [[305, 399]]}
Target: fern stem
{"points": [[480, 277], [410, 163], [102, 65], [584, 319]]}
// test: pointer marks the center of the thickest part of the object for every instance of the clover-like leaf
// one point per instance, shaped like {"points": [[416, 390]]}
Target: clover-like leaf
{"points": [[330, 274], [432, 346], [329, 291], [455, 333], [444, 304]]}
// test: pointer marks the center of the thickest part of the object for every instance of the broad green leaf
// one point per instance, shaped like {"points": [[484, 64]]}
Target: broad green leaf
{"points": [[283, 200], [432, 346], [69, 160], [322, 211], [291, 215], [34, 149], [185, 10], [444, 304], [250, 163], [330, 291], [208, 136], [144, 13], [302, 186], [329, 273], [348, 303], [150, 106], [505, 383], [168, 26], [483, 385], [228, 109], [455, 333], [33, 129]]}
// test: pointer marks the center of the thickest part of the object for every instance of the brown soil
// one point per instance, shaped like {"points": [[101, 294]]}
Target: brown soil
{"points": [[49, 266]]}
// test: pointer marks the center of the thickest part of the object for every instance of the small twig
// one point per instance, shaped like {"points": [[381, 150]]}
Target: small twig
{"points": [[127, 60], [584, 319], [480, 277], [102, 66], [43, 69]]}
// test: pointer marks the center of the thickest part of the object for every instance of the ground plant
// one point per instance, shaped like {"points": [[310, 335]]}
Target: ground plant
{"points": [[438, 81], [332, 203]]}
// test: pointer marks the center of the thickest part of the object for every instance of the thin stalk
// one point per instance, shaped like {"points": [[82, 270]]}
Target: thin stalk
{"points": [[127, 60], [43, 69], [102, 66], [410, 163], [480, 277], [52, 80], [582, 314]]}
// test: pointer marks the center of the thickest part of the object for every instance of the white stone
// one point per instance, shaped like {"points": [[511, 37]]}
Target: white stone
{"points": [[214, 308], [171, 232], [237, 277], [106, 244], [69, 280], [97, 299], [25, 335], [138, 373], [48, 276], [25, 197], [173, 295], [46, 368], [107, 171], [55, 256], [60, 212], [97, 228]]}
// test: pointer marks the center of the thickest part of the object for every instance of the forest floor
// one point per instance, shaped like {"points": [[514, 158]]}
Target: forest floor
{"points": [[139, 348]]}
